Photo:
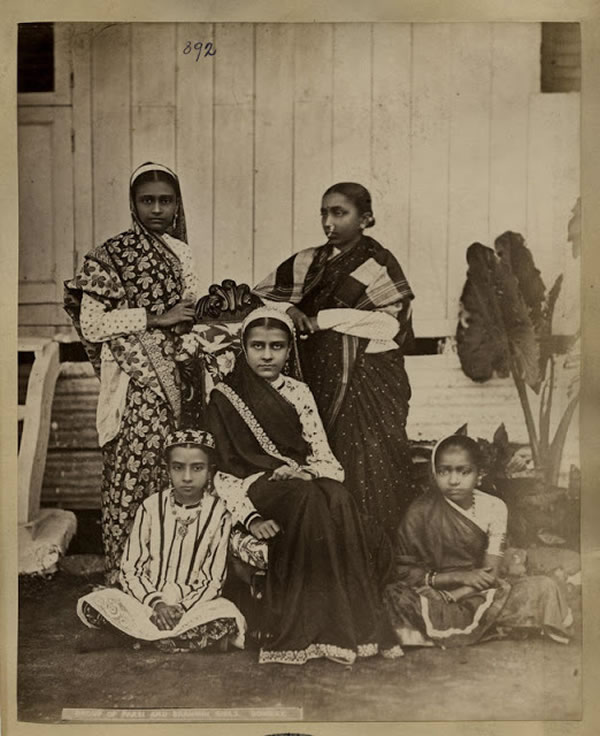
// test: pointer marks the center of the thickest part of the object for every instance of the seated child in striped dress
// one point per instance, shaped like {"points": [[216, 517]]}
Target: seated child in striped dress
{"points": [[174, 564]]}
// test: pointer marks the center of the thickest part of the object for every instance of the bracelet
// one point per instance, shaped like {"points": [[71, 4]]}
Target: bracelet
{"points": [[430, 578]]}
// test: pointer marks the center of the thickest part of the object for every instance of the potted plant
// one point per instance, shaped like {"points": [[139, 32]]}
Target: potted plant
{"points": [[505, 328]]}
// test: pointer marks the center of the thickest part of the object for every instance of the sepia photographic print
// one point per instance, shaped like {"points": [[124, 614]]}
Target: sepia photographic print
{"points": [[299, 372]]}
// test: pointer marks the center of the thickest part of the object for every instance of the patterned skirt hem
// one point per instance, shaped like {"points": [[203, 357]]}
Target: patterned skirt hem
{"points": [[334, 653]]}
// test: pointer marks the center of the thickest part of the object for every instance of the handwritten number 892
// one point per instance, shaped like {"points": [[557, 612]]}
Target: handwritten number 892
{"points": [[209, 49]]}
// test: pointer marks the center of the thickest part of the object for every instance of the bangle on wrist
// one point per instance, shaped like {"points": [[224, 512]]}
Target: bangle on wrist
{"points": [[430, 578]]}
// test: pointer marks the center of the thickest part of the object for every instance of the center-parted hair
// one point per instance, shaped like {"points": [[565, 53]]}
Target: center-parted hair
{"points": [[156, 175], [269, 323], [358, 195], [460, 442]]}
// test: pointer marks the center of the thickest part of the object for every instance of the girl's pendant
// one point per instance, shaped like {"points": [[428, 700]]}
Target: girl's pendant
{"points": [[181, 529]]}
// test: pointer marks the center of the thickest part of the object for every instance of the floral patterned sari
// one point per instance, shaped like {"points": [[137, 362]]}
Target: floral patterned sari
{"points": [[134, 269]]}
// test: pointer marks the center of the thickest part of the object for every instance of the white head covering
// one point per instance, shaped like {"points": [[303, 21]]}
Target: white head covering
{"points": [[178, 228], [269, 313], [294, 368], [149, 166]]}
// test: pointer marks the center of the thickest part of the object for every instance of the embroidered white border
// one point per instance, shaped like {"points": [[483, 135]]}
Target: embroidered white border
{"points": [[254, 425], [432, 631]]}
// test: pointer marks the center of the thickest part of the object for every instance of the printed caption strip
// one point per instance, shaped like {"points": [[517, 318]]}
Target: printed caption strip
{"points": [[185, 715]]}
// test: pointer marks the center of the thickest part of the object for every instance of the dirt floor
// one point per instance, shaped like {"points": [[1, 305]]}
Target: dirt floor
{"points": [[502, 680]]}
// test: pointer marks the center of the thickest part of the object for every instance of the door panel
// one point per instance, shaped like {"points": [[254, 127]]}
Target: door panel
{"points": [[45, 203]]}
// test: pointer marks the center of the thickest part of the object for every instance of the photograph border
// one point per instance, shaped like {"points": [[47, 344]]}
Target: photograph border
{"points": [[585, 11]]}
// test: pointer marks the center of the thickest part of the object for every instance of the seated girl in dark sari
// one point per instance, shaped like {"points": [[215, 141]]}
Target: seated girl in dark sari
{"points": [[449, 549], [320, 593]]}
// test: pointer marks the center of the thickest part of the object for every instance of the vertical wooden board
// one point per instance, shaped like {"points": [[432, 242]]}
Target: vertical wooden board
{"points": [[194, 143], [543, 138], [352, 93], [153, 93], [274, 110], [390, 155], [234, 151], [568, 309], [36, 254], [153, 63], [111, 129], [153, 135], [566, 173], [45, 203], [82, 128], [430, 132], [468, 213], [62, 199], [515, 77], [313, 46]]}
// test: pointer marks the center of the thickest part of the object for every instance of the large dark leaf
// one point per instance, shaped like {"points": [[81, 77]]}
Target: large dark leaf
{"points": [[495, 330], [513, 252], [481, 340]]}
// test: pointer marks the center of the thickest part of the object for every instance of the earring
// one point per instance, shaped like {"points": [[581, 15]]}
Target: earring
{"points": [[174, 223]]}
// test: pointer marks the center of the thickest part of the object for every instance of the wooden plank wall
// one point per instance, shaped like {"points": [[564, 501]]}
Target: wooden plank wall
{"points": [[444, 123], [443, 399]]}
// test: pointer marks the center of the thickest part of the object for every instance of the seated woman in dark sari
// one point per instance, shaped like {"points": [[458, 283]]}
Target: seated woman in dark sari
{"points": [[320, 592], [449, 549]]}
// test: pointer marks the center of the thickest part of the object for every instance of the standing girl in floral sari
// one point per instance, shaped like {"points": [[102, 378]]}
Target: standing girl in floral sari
{"points": [[352, 303], [124, 302]]}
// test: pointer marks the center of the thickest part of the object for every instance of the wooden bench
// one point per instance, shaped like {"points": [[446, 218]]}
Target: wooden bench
{"points": [[34, 417]]}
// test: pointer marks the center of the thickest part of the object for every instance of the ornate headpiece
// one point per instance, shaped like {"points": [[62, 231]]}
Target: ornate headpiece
{"points": [[197, 437]]}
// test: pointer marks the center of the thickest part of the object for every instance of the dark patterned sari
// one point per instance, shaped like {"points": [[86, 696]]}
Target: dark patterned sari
{"points": [[362, 397], [134, 269], [320, 592], [434, 536]]}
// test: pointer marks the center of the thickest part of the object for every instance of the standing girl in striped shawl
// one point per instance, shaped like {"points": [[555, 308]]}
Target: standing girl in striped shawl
{"points": [[174, 563], [351, 302]]}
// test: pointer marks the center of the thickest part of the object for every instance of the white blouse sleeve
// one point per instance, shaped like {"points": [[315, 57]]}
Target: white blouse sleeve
{"points": [[99, 323], [497, 527], [321, 462], [373, 325], [234, 494]]}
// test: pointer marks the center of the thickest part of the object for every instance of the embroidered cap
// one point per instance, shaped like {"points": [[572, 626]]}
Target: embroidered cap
{"points": [[189, 437]]}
